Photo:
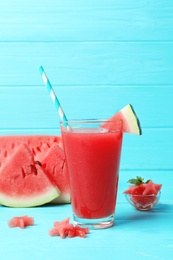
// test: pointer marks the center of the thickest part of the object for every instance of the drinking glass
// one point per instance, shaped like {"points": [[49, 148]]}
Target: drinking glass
{"points": [[93, 150]]}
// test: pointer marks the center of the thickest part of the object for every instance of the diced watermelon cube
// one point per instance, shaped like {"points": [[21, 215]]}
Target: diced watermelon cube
{"points": [[143, 196], [135, 189], [151, 188]]}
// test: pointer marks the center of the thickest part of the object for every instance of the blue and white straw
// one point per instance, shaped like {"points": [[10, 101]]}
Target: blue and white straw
{"points": [[53, 95]]}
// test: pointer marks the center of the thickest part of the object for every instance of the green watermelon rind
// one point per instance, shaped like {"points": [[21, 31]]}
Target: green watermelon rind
{"points": [[32, 201], [130, 117], [64, 198], [16, 190], [130, 121]]}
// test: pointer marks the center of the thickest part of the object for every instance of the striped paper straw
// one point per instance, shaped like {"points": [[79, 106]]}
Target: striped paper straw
{"points": [[53, 95]]}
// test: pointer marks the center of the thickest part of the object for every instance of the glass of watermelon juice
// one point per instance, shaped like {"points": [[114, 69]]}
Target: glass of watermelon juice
{"points": [[93, 149]]}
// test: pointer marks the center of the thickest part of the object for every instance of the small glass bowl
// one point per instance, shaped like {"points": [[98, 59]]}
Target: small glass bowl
{"points": [[143, 202]]}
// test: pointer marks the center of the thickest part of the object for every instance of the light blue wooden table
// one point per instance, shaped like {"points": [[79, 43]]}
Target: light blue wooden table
{"points": [[136, 235], [99, 55]]}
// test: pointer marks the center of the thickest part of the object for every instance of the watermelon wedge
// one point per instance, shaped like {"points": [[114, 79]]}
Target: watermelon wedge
{"points": [[23, 182], [129, 118], [46, 154], [55, 167], [38, 144]]}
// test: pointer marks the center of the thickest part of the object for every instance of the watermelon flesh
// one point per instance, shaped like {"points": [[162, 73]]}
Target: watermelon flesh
{"points": [[23, 182], [21, 222], [65, 229], [149, 188], [39, 145], [29, 168], [135, 190], [129, 118], [55, 166]]}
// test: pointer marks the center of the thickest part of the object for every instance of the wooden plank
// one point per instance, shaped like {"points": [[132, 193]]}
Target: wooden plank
{"points": [[150, 235], [142, 243], [112, 63], [32, 107], [152, 150], [77, 20], [31, 110]]}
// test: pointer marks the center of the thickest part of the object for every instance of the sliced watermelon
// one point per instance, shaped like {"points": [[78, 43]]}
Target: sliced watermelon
{"points": [[46, 150], [55, 166], [38, 144], [128, 117], [23, 182]]}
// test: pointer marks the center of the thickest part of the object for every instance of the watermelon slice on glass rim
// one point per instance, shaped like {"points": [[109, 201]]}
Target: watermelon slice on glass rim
{"points": [[143, 195], [129, 118]]}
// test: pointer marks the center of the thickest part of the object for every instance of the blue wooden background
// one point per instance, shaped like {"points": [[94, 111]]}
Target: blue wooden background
{"points": [[99, 56]]}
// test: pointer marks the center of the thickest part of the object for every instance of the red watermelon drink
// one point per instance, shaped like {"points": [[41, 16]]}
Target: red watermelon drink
{"points": [[93, 157]]}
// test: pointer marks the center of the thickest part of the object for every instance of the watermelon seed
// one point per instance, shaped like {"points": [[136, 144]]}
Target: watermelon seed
{"points": [[38, 149], [33, 151], [39, 163], [33, 169], [63, 164], [23, 173]]}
